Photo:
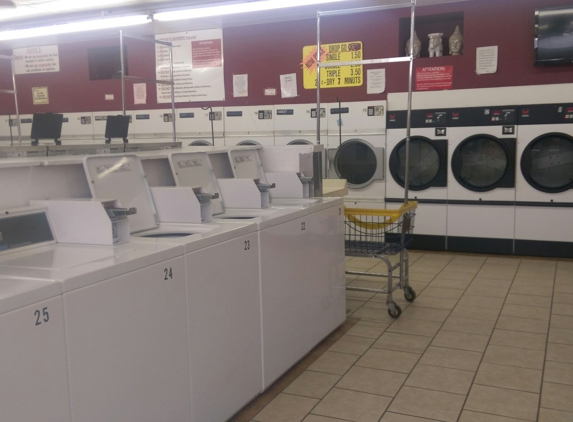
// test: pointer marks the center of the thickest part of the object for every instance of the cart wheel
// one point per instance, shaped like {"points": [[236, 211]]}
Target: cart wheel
{"points": [[409, 294], [394, 310]]}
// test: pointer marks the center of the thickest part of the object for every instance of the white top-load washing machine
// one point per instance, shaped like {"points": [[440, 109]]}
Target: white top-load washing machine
{"points": [[124, 309], [481, 184], [33, 346], [428, 171], [356, 140], [200, 126], [249, 125], [295, 124], [301, 255], [544, 180], [224, 340]]}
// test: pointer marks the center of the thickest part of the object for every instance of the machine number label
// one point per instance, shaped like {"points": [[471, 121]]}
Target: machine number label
{"points": [[167, 273], [247, 245], [303, 226], [41, 316]]}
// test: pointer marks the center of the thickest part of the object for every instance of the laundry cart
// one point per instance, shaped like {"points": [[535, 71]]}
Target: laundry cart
{"points": [[381, 234]]}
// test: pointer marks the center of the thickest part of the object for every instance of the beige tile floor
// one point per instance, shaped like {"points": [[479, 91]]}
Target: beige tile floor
{"points": [[487, 339]]}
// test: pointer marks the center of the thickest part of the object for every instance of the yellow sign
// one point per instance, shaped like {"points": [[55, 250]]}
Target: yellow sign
{"points": [[40, 95], [333, 77]]}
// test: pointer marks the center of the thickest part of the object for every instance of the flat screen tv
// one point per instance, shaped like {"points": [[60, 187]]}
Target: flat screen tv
{"points": [[46, 126], [554, 36]]}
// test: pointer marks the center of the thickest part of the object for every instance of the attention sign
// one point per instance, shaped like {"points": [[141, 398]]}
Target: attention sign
{"points": [[435, 78], [333, 77]]}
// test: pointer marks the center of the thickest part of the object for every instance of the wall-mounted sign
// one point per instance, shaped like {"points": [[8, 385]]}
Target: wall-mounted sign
{"points": [[36, 59], [197, 66], [40, 95], [333, 77], [434, 78]]}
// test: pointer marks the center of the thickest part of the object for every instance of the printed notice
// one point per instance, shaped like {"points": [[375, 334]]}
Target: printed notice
{"points": [[434, 78], [36, 60], [288, 86], [140, 93], [375, 81], [332, 77], [198, 66], [240, 85], [40, 95], [486, 60]]}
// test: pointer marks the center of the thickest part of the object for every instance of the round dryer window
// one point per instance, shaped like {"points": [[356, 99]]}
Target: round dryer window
{"points": [[200, 143], [356, 162], [480, 163], [547, 163], [425, 163], [300, 142], [248, 143]]}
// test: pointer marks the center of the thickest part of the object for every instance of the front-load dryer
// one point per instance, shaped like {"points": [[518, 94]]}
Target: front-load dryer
{"points": [[481, 184], [544, 180], [250, 125], [295, 124], [356, 140], [200, 127], [428, 171]]}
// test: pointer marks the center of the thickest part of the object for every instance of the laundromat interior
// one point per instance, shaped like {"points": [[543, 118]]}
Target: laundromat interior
{"points": [[286, 211]]}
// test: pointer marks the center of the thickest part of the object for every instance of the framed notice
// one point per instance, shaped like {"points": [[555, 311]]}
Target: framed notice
{"points": [[42, 59], [435, 78], [333, 77], [197, 66]]}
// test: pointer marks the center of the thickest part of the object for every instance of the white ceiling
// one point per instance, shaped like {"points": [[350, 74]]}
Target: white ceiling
{"points": [[28, 13]]}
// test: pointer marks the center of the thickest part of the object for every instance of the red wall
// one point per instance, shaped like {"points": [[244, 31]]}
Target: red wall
{"points": [[266, 51]]}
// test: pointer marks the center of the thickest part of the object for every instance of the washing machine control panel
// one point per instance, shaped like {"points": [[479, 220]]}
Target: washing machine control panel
{"points": [[420, 119], [483, 116], [543, 114]]}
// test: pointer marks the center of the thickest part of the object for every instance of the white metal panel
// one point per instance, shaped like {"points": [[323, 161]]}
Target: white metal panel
{"points": [[299, 120], [127, 347], [485, 221], [224, 340], [78, 127], [249, 121], [195, 123], [363, 117], [34, 381], [431, 219], [543, 224]]}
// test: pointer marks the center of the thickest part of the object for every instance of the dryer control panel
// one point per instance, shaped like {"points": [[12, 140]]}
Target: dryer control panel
{"points": [[545, 114], [420, 119], [483, 116]]}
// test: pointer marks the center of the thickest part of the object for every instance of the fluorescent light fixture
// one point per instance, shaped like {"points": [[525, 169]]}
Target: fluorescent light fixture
{"points": [[67, 28], [231, 9]]}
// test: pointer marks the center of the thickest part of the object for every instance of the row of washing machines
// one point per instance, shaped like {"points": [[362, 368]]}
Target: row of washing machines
{"points": [[218, 126], [165, 286]]}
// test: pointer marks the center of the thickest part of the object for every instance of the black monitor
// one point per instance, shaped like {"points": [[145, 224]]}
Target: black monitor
{"points": [[554, 36], [116, 127], [46, 126]]}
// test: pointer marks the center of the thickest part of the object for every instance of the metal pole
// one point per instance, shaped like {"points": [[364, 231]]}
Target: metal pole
{"points": [[212, 118], [171, 77], [409, 112], [16, 104], [122, 64], [318, 79]]}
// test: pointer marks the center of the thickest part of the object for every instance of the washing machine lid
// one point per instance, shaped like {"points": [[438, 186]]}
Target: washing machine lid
{"points": [[358, 162], [246, 164], [547, 163], [122, 177], [482, 163], [192, 169], [428, 163]]}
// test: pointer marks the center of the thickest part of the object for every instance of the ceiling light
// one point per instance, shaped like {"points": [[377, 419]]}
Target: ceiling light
{"points": [[230, 9], [67, 28]]}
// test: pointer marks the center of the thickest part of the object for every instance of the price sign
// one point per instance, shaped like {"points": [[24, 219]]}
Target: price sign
{"points": [[333, 77]]}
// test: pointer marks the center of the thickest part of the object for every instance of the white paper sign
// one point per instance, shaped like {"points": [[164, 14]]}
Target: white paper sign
{"points": [[197, 66], [486, 60], [140, 93], [376, 81], [240, 85], [40, 95], [36, 59], [288, 85]]}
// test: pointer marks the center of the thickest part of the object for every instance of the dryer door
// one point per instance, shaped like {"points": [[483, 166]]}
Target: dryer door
{"points": [[358, 162], [248, 142], [300, 142], [547, 162], [428, 163], [483, 162], [200, 143]]}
